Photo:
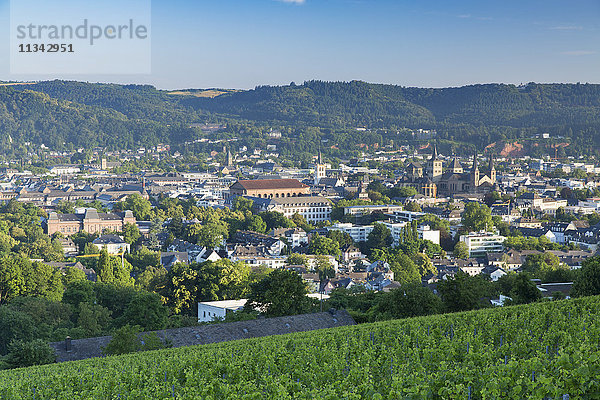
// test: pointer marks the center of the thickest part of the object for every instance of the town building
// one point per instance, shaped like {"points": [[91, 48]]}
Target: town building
{"points": [[481, 243], [269, 188], [210, 310], [112, 243], [313, 208], [89, 221]]}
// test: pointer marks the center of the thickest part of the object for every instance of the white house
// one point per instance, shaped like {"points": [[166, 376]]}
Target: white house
{"points": [[114, 244], [210, 310]]}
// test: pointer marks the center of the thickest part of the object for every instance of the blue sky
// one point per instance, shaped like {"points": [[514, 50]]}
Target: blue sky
{"points": [[244, 43]]}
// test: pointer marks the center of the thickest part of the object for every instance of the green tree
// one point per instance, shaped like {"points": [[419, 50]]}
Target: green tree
{"points": [[300, 222], [424, 264], [297, 259], [79, 291], [114, 270], [410, 300], [461, 250], [141, 207], [406, 191], [242, 204], [323, 245], [524, 290], [12, 281], [71, 274], [28, 353], [124, 340], [379, 238], [404, 269], [256, 224], [93, 319], [275, 219], [15, 325], [477, 217], [463, 292], [324, 268], [540, 264], [131, 233], [234, 279], [147, 311], [343, 239], [413, 206], [280, 293], [587, 282]]}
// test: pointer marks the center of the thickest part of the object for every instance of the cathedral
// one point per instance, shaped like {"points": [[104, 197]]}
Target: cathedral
{"points": [[454, 180]]}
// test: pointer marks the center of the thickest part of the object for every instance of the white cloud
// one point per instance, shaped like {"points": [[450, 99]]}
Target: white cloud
{"points": [[293, 1], [578, 53]]}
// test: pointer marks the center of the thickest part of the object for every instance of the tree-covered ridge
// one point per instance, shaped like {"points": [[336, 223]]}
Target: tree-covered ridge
{"points": [[61, 113], [37, 117], [372, 104], [133, 101]]}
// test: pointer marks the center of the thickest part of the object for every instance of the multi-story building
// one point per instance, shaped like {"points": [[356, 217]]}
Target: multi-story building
{"points": [[481, 243], [396, 229], [359, 211], [358, 233], [426, 233], [313, 208], [90, 221]]}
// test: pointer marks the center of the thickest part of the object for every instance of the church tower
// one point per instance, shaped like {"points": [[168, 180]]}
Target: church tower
{"points": [[434, 166], [456, 168], [229, 158], [320, 170], [475, 172], [492, 169]]}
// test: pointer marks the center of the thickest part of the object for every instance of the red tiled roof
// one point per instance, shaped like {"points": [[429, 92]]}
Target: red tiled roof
{"points": [[272, 184]]}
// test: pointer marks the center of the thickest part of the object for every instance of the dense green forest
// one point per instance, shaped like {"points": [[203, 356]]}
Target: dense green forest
{"points": [[63, 114]]}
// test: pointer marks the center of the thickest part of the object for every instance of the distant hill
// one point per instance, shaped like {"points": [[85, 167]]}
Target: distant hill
{"points": [[84, 114]]}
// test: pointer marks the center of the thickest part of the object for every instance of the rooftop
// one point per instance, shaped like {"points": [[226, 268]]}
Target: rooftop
{"points": [[260, 184]]}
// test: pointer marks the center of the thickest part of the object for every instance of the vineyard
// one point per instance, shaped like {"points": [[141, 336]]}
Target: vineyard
{"points": [[541, 351]]}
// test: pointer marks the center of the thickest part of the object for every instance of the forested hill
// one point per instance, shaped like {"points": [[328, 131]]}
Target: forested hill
{"points": [[60, 113], [382, 106]]}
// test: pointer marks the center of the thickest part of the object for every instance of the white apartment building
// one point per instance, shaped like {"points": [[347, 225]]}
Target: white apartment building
{"points": [[313, 208], [274, 262], [481, 243], [396, 229], [407, 216], [368, 209], [426, 233], [358, 233]]}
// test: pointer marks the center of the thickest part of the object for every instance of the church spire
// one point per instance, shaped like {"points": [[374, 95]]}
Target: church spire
{"points": [[435, 153], [492, 169]]}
